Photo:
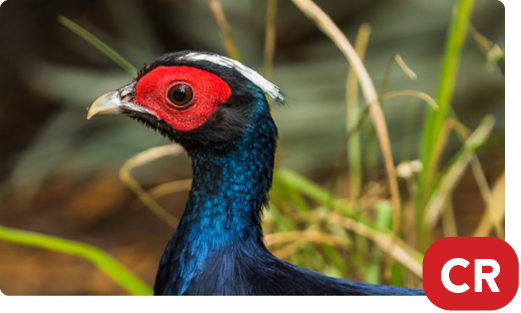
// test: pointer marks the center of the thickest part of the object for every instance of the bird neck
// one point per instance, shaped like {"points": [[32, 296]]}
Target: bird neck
{"points": [[223, 213], [231, 184]]}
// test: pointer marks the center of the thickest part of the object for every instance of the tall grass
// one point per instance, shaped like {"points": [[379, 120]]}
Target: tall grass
{"points": [[225, 30], [435, 121], [270, 37], [326, 25]]}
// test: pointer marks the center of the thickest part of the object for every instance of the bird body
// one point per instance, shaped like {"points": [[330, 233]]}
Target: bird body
{"points": [[216, 108]]}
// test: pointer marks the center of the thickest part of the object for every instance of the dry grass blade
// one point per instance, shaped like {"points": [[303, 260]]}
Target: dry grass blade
{"points": [[396, 59], [306, 236], [397, 249], [271, 38], [296, 240], [269, 52], [141, 159], [170, 187], [492, 50], [395, 94], [411, 93], [352, 116], [450, 227], [483, 42], [479, 175], [481, 179], [405, 68], [451, 177], [324, 23], [289, 250], [495, 210], [488, 196], [486, 192], [226, 31]]}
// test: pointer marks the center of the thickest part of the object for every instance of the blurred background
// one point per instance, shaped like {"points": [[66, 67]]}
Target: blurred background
{"points": [[59, 175]]}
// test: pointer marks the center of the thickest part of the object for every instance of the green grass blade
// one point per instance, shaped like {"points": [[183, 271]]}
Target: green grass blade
{"points": [[436, 119], [100, 45], [112, 268], [354, 152], [383, 223]]}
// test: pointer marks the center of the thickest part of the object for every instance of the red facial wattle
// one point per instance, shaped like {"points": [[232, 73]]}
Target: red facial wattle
{"points": [[209, 91]]}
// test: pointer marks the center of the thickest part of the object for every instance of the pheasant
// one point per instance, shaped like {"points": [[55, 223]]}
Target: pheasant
{"points": [[217, 109]]}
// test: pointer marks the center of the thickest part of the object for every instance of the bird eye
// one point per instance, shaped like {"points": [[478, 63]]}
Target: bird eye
{"points": [[180, 96]]}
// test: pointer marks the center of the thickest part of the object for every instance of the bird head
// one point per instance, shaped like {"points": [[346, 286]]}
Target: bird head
{"points": [[194, 98]]}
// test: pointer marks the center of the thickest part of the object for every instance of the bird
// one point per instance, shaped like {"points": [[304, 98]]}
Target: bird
{"points": [[217, 109]]}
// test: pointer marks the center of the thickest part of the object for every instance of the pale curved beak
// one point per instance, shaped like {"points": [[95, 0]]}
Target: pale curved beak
{"points": [[117, 102], [108, 104]]}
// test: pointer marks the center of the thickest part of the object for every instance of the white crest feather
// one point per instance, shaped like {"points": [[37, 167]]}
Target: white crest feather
{"points": [[272, 90]]}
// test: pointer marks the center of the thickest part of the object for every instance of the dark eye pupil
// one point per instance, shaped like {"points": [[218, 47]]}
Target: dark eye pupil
{"points": [[180, 96]]}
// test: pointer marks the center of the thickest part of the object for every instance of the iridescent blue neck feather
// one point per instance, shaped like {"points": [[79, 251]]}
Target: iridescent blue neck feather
{"points": [[230, 185]]}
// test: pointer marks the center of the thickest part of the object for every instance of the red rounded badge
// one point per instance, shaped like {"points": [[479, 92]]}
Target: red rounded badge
{"points": [[470, 273]]}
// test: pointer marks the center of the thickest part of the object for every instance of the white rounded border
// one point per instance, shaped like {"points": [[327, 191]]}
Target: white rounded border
{"points": [[324, 304]]}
